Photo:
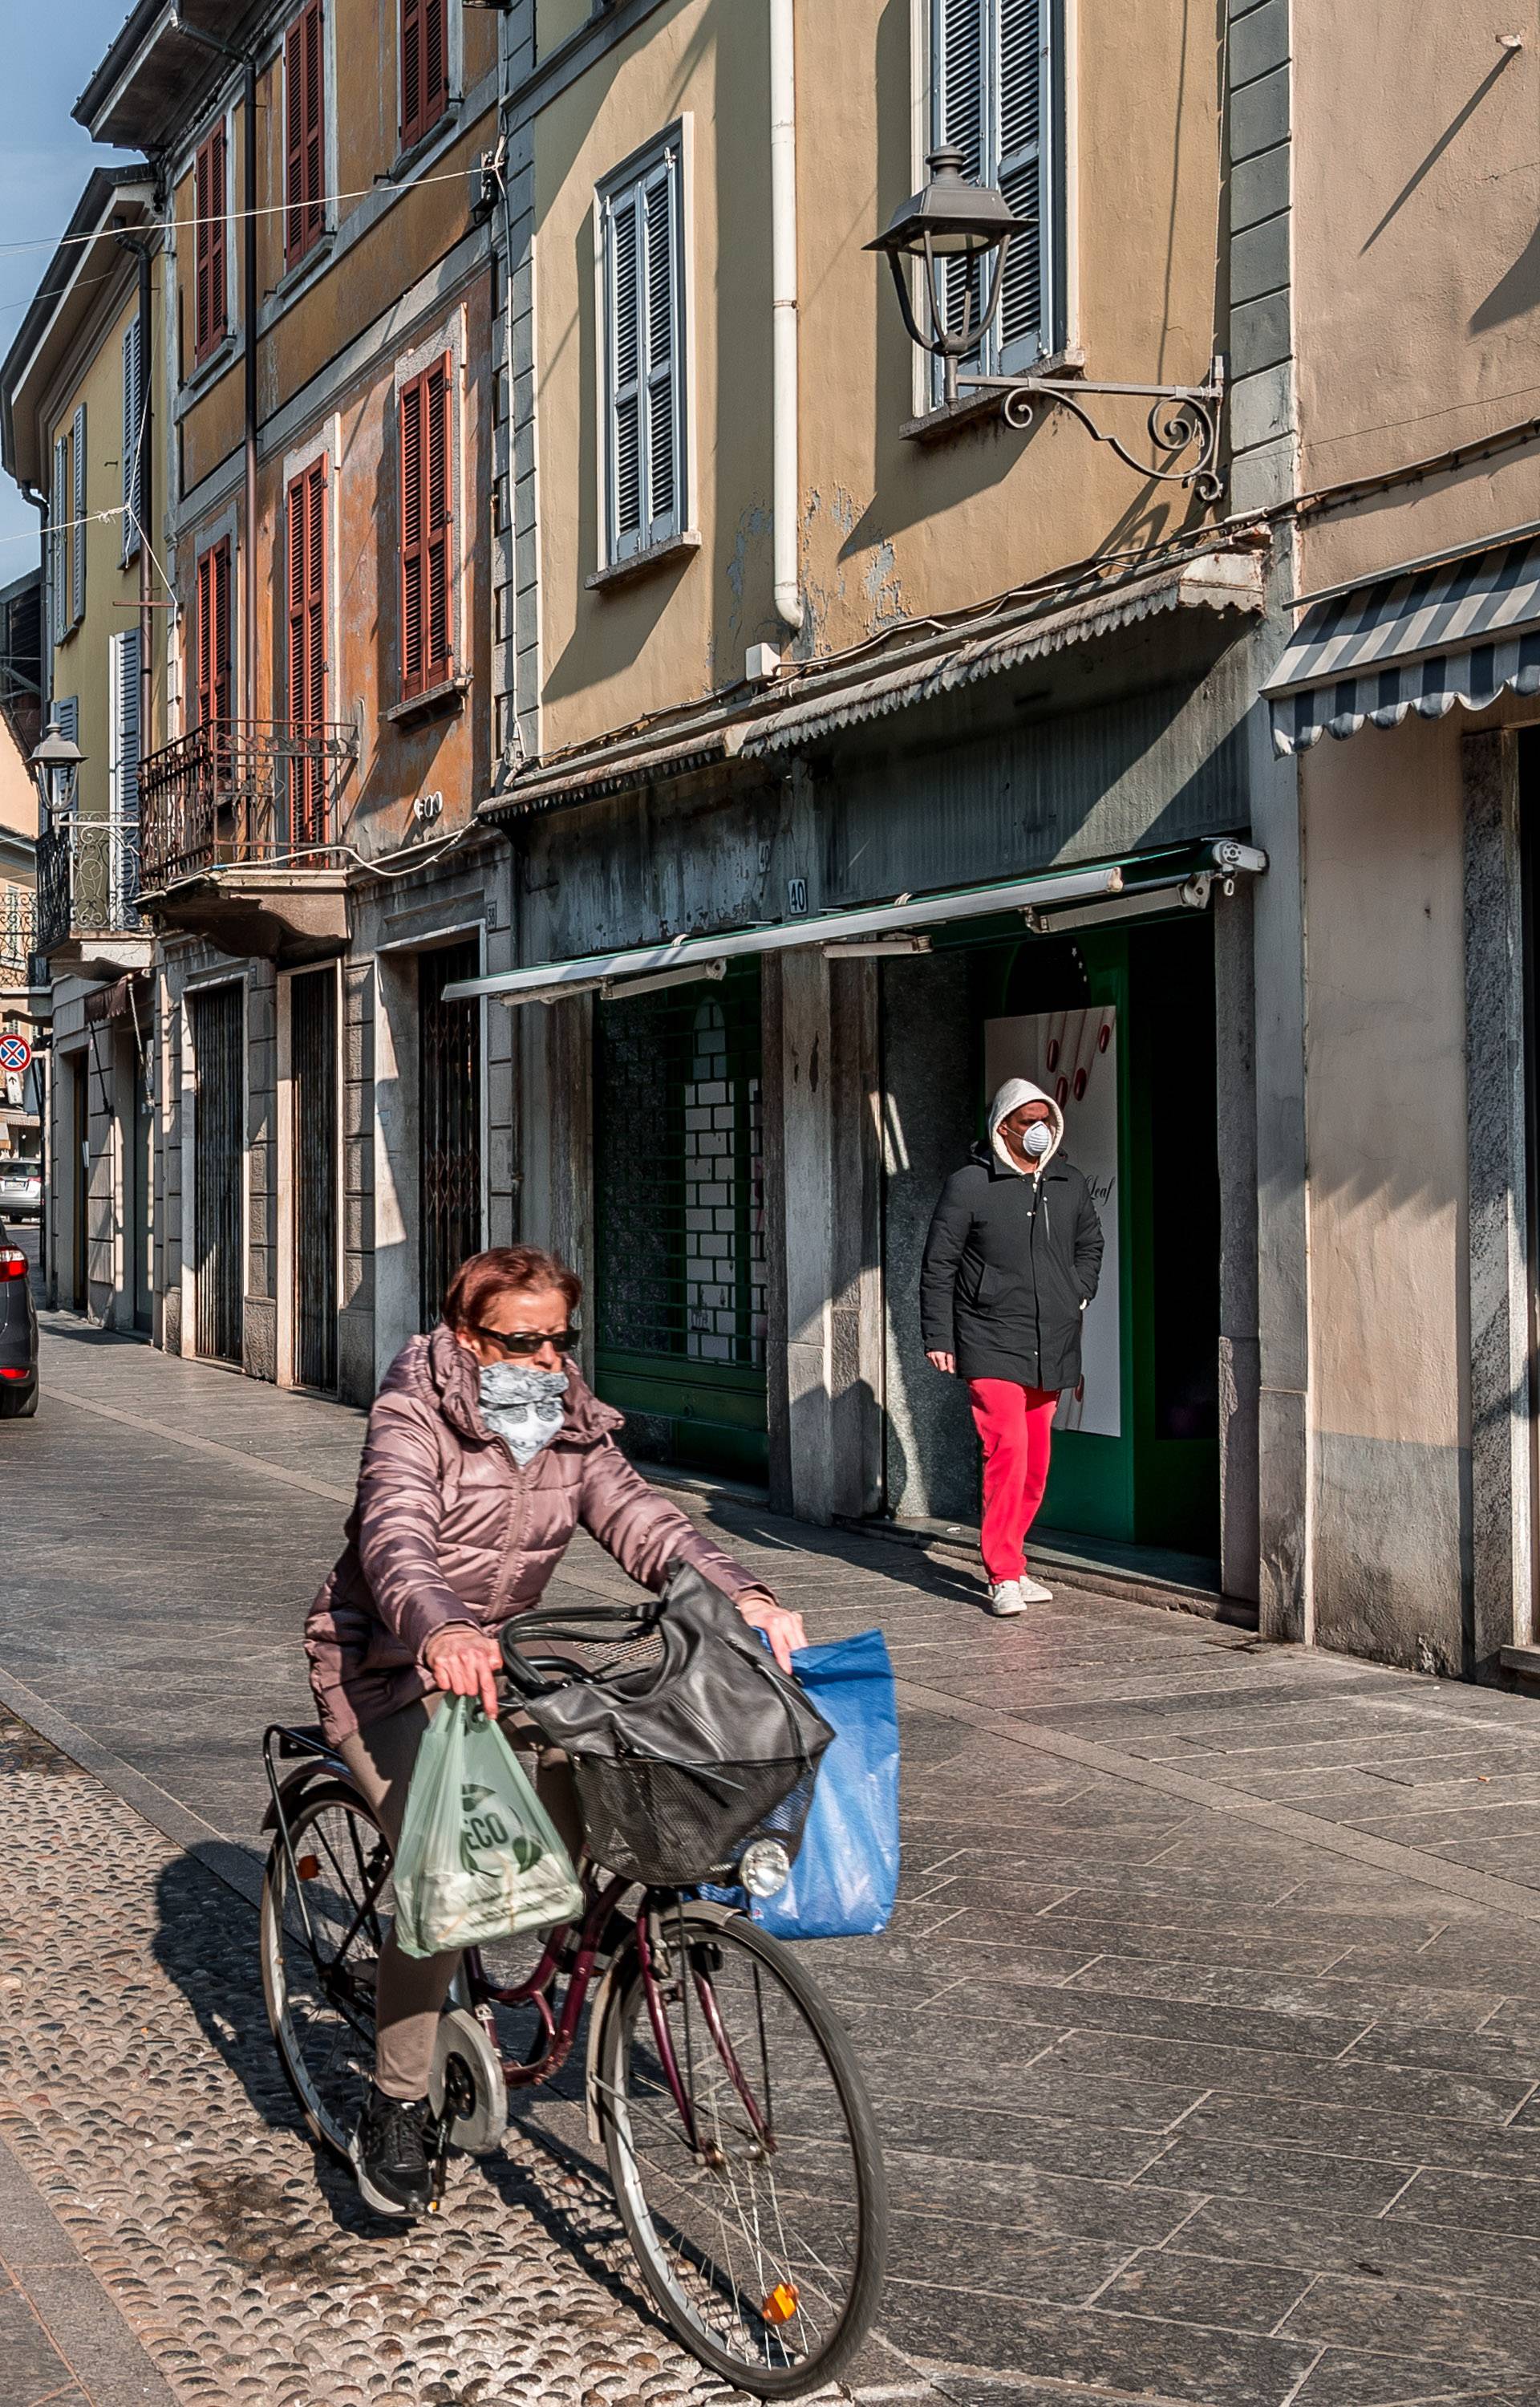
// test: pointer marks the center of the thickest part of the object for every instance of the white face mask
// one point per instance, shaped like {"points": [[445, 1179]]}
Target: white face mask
{"points": [[522, 1406], [1036, 1137]]}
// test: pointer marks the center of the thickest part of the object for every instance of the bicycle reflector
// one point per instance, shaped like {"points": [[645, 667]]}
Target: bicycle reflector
{"points": [[764, 1867], [782, 2305], [308, 1867]]}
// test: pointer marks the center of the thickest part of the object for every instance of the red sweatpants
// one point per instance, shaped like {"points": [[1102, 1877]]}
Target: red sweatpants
{"points": [[1013, 1423]]}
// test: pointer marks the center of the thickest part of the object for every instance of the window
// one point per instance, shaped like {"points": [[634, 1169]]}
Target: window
{"points": [[424, 66], [211, 200], [59, 539], [133, 443], [305, 104], [77, 554], [642, 223], [991, 96], [306, 614], [427, 492], [211, 634]]}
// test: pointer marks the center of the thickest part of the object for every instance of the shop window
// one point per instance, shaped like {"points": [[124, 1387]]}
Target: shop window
{"points": [[211, 201], [992, 78], [424, 67], [642, 223], [305, 122]]}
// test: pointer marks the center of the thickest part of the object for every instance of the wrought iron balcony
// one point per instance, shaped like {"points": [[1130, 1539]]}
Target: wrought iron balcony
{"points": [[245, 793], [17, 943], [87, 885]]}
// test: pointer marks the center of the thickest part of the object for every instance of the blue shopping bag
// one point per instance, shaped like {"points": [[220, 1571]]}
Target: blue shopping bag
{"points": [[845, 1878]]}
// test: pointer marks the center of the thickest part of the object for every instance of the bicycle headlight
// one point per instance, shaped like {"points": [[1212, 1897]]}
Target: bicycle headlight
{"points": [[764, 1867]]}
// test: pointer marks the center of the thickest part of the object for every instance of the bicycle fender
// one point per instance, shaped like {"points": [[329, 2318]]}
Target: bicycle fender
{"points": [[702, 1909], [292, 1789]]}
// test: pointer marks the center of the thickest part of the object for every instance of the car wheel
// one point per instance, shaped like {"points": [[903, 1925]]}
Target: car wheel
{"points": [[19, 1408]]}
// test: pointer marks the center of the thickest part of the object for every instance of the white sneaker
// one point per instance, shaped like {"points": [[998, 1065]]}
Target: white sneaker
{"points": [[1033, 1591], [1005, 1597]]}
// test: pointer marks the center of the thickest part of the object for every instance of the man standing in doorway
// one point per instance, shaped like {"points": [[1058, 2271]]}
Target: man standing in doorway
{"points": [[1012, 1259]]}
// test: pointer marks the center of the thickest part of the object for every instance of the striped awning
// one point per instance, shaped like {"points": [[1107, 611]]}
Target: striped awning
{"points": [[1463, 630]]}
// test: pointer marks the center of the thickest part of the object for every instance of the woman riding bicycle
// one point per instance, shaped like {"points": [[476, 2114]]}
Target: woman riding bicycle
{"points": [[486, 1449]]}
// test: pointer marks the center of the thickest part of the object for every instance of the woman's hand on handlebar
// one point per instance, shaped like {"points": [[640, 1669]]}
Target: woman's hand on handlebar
{"points": [[465, 1662], [783, 1629]]}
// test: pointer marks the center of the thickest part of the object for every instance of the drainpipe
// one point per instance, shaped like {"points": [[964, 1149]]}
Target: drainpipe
{"points": [[786, 489], [45, 1059], [249, 335]]}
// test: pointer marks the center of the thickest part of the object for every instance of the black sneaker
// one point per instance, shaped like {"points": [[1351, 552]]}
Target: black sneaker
{"points": [[390, 2153]]}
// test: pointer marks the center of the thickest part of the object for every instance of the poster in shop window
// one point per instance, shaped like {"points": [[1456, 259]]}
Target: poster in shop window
{"points": [[1073, 1057]]}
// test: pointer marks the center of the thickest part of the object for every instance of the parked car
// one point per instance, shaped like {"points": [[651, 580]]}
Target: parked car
{"points": [[18, 1338], [20, 1188]]}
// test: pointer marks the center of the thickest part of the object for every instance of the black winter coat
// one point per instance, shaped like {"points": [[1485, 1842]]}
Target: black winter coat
{"points": [[1009, 1263]]}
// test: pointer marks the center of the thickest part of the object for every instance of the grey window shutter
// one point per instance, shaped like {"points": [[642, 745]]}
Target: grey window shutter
{"points": [[1023, 171], [77, 443], [126, 705], [962, 37], [626, 433], [133, 478], [658, 220], [59, 541], [644, 341], [66, 710]]}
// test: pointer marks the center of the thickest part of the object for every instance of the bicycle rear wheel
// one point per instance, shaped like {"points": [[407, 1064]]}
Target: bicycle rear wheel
{"points": [[762, 2235], [320, 1947]]}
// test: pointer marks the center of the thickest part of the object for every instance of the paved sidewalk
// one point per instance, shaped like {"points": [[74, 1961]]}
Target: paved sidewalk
{"points": [[1207, 2037]]}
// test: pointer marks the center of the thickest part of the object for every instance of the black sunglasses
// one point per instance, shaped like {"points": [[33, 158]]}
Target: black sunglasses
{"points": [[525, 1341]]}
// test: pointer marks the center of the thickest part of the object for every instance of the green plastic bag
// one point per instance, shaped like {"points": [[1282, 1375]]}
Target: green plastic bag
{"points": [[479, 1857]]}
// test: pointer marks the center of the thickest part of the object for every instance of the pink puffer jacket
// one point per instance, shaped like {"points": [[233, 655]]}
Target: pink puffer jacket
{"points": [[447, 1528]]}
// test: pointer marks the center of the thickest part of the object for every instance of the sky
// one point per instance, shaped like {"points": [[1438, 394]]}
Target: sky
{"points": [[49, 49]]}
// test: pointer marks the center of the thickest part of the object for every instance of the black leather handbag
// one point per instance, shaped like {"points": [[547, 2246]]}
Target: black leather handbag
{"points": [[687, 1742]]}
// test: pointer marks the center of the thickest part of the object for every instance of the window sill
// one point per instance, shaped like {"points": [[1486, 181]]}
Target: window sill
{"points": [[437, 701], [295, 279], [657, 555], [975, 408], [415, 155], [207, 373]]}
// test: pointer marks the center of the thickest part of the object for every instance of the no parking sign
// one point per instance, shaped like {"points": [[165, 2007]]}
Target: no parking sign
{"points": [[15, 1053]]}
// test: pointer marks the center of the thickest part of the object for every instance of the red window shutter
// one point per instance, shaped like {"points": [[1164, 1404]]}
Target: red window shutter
{"points": [[412, 655], [412, 118], [304, 132], [209, 314], [437, 495], [202, 282], [205, 638], [212, 633], [307, 664]]}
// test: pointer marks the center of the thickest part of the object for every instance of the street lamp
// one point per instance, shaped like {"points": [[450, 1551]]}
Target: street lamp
{"points": [[54, 764], [953, 218], [950, 219]]}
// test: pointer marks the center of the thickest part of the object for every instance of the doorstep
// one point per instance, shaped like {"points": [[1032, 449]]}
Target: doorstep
{"points": [[1158, 1575]]}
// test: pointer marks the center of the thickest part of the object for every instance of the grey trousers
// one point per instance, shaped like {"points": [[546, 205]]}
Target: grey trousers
{"points": [[411, 1989]]}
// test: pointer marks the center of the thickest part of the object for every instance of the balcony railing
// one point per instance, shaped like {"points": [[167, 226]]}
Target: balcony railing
{"points": [[88, 881], [17, 942], [245, 793]]}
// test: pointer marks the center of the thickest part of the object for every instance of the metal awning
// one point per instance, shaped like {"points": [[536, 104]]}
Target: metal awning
{"points": [[1461, 630], [909, 665], [1040, 899]]}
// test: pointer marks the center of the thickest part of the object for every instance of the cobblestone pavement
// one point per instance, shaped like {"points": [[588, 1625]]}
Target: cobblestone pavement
{"points": [[1205, 2039]]}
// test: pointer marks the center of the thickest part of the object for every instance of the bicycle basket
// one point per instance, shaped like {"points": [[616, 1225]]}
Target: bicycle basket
{"points": [[685, 1743], [673, 1824]]}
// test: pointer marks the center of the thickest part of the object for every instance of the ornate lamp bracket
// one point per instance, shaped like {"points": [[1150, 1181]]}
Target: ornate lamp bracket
{"points": [[1183, 419]]}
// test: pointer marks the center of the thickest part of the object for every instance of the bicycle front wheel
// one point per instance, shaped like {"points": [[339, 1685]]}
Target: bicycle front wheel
{"points": [[744, 2154]]}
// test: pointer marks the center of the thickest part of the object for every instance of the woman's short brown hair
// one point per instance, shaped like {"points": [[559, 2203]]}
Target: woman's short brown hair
{"points": [[497, 1272]]}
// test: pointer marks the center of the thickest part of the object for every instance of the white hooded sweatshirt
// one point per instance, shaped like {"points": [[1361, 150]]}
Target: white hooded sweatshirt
{"points": [[1010, 1097]]}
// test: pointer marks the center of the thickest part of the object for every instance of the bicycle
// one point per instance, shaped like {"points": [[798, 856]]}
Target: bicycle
{"points": [[736, 2128]]}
